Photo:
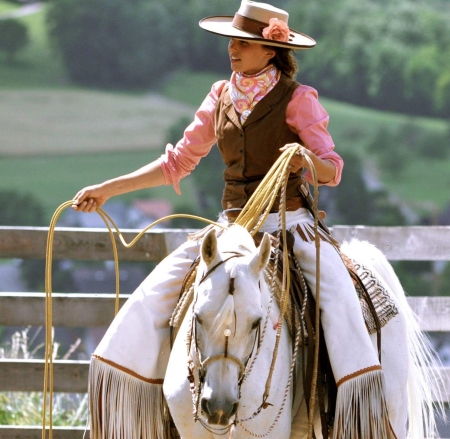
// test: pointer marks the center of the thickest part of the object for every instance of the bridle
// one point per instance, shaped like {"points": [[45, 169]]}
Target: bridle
{"points": [[200, 365]]}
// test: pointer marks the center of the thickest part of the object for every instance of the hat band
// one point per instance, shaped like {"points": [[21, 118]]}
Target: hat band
{"points": [[249, 25]]}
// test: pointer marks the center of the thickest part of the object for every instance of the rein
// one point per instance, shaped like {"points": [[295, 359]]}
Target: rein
{"points": [[262, 200]]}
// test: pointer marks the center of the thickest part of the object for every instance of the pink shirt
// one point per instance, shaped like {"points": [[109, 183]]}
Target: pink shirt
{"points": [[305, 116]]}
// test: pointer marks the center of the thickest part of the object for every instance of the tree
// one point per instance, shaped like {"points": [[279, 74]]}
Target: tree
{"points": [[20, 210], [133, 44], [353, 203], [13, 38], [385, 54]]}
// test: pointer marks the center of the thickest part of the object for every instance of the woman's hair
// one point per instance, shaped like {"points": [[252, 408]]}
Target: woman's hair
{"points": [[285, 61]]}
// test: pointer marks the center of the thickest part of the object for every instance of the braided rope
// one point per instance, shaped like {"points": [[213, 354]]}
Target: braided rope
{"points": [[252, 217], [286, 392]]}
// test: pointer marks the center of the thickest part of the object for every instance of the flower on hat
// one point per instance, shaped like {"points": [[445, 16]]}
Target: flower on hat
{"points": [[277, 30]]}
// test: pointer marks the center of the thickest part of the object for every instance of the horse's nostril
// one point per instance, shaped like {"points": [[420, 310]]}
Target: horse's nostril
{"points": [[234, 409], [205, 406]]}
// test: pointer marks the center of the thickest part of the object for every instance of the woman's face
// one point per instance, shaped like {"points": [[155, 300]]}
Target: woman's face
{"points": [[248, 57]]}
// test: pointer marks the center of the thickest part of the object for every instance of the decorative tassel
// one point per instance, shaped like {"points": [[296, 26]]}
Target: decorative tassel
{"points": [[123, 406], [232, 432], [361, 411]]}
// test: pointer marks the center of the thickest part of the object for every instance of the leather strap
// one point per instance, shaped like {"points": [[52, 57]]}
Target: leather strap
{"points": [[249, 25]]}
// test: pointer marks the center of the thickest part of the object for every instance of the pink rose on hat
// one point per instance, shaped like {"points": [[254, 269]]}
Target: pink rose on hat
{"points": [[277, 30]]}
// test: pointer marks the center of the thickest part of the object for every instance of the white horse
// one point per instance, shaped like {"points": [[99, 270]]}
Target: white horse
{"points": [[231, 389]]}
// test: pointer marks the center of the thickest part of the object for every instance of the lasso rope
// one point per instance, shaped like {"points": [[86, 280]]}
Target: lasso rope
{"points": [[49, 356], [251, 217]]}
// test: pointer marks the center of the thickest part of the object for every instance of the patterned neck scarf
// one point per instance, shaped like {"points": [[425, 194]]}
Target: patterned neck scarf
{"points": [[247, 90]]}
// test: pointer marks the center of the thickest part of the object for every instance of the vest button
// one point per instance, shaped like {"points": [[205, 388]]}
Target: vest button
{"points": [[241, 135], [241, 151]]}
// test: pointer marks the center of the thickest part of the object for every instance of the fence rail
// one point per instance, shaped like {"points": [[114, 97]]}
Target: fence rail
{"points": [[97, 310], [413, 243]]}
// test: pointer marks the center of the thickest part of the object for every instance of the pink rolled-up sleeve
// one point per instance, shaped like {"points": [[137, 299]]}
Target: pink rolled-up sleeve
{"points": [[306, 117], [198, 138]]}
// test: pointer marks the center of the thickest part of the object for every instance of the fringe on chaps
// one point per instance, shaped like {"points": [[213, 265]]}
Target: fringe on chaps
{"points": [[124, 406], [361, 411]]}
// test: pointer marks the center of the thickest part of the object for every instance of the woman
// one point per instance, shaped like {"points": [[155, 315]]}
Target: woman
{"points": [[253, 117]]}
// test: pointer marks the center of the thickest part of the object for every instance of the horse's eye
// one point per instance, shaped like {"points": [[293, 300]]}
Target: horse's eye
{"points": [[256, 323], [198, 319]]}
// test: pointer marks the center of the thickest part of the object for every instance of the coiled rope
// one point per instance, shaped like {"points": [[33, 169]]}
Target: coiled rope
{"points": [[251, 217]]}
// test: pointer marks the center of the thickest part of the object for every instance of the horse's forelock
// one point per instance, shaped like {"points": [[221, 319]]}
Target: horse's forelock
{"points": [[226, 313], [224, 317], [235, 239]]}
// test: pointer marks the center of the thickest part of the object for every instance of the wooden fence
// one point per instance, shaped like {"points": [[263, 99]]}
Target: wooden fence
{"points": [[88, 310]]}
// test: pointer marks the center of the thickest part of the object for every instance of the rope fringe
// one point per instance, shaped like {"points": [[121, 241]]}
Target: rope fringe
{"points": [[361, 411], [123, 406]]}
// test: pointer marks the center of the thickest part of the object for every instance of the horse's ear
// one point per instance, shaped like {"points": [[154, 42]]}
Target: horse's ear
{"points": [[209, 247], [262, 255]]}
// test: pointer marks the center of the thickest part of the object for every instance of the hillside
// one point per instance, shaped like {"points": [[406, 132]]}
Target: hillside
{"points": [[56, 141], [57, 138], [72, 121]]}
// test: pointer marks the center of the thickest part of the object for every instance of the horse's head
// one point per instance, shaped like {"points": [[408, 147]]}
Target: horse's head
{"points": [[226, 316]]}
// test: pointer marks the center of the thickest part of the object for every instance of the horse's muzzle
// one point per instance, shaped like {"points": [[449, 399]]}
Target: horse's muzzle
{"points": [[218, 413]]}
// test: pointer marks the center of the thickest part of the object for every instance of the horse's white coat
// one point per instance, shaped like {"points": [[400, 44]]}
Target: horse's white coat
{"points": [[407, 357], [249, 306], [399, 356]]}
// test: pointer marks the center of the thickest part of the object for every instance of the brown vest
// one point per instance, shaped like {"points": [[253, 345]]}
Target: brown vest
{"points": [[250, 150]]}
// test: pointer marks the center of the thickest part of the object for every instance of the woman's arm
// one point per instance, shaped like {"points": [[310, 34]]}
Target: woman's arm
{"points": [[325, 169], [307, 118], [91, 197], [170, 168]]}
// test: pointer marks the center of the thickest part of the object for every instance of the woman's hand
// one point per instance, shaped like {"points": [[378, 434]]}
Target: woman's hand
{"points": [[297, 160], [89, 198], [325, 169]]}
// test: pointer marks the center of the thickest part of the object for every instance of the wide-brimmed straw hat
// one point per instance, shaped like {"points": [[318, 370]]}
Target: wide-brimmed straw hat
{"points": [[261, 23]]}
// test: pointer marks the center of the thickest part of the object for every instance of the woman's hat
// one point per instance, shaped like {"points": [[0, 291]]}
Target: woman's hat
{"points": [[261, 23]]}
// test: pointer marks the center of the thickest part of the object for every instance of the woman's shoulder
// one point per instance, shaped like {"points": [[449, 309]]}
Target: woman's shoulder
{"points": [[209, 103], [305, 92], [218, 86], [305, 101]]}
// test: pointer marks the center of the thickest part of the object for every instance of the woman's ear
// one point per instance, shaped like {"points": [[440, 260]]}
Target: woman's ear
{"points": [[270, 53]]}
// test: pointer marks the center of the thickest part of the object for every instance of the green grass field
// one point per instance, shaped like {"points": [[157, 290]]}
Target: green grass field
{"points": [[55, 179], [65, 121], [56, 138]]}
